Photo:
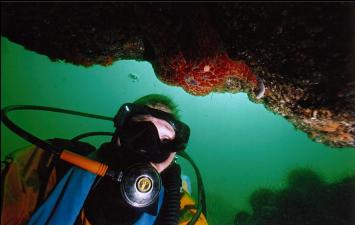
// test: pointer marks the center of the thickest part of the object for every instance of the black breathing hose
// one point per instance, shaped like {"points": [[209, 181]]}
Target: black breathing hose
{"points": [[89, 134], [33, 139], [201, 202], [169, 214]]}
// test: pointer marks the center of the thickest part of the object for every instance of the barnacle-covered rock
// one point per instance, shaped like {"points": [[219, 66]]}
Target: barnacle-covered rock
{"points": [[298, 59]]}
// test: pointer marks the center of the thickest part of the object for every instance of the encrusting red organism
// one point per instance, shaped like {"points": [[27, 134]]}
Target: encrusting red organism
{"points": [[204, 75]]}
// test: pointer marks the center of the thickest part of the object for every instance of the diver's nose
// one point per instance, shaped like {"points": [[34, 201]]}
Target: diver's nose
{"points": [[165, 130]]}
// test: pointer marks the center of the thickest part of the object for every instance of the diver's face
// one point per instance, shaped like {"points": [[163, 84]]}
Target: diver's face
{"points": [[166, 133], [165, 130]]}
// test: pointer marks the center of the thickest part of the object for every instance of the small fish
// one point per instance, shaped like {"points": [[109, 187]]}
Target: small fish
{"points": [[134, 77]]}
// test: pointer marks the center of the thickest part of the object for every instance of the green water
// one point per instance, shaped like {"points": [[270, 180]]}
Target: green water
{"points": [[238, 145]]}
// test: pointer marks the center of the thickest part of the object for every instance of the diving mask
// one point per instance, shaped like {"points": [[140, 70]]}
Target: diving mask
{"points": [[142, 136]]}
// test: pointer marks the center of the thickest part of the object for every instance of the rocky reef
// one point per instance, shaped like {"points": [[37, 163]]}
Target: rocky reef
{"points": [[307, 199], [298, 59]]}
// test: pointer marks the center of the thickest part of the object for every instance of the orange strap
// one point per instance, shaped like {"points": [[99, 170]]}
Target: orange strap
{"points": [[84, 163]]}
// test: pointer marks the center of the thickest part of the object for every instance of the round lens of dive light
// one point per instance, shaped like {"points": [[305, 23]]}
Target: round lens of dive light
{"points": [[140, 185]]}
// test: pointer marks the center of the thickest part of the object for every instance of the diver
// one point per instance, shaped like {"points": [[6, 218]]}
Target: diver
{"points": [[144, 185], [141, 138]]}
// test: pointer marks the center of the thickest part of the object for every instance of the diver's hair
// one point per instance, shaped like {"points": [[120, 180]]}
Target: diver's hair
{"points": [[158, 101]]}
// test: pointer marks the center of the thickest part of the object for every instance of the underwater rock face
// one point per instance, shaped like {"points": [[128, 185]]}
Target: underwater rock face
{"points": [[307, 199], [298, 59]]}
